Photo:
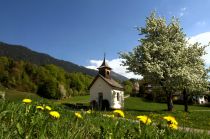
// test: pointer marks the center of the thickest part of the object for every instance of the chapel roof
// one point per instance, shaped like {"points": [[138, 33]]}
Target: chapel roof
{"points": [[110, 82]]}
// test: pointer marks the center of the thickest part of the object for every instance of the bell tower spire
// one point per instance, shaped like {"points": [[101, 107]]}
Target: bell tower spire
{"points": [[104, 69], [104, 56]]}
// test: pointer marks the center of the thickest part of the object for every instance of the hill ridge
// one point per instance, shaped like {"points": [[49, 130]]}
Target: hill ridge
{"points": [[19, 52]]}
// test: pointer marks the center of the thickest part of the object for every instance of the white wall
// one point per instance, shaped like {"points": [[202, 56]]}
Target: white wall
{"points": [[109, 94], [201, 100], [117, 104], [100, 86]]}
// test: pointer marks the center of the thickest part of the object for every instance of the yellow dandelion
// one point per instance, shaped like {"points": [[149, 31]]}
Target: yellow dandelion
{"points": [[173, 126], [26, 100], [78, 115], [119, 113], [172, 123], [89, 112], [55, 114], [144, 119], [48, 108], [171, 120], [40, 107]]}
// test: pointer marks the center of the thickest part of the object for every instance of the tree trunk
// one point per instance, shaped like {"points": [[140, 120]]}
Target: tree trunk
{"points": [[185, 98], [169, 102], [169, 98]]}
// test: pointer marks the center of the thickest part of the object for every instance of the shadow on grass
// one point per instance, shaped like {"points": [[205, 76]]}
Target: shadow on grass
{"points": [[149, 100], [83, 106], [77, 106], [204, 105], [153, 111]]}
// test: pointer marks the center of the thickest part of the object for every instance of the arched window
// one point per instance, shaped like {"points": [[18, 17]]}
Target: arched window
{"points": [[118, 97], [107, 72]]}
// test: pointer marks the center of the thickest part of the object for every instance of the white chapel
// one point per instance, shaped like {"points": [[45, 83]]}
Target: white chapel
{"points": [[106, 93]]}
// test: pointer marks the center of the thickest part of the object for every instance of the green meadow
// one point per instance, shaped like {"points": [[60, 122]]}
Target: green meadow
{"points": [[21, 120], [198, 116]]}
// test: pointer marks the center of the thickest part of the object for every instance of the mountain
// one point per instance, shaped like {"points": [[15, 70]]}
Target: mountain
{"points": [[18, 52]]}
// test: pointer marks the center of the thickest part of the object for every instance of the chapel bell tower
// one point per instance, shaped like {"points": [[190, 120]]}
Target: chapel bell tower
{"points": [[104, 69]]}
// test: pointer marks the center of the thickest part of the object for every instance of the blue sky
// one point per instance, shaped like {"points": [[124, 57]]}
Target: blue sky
{"points": [[80, 31]]}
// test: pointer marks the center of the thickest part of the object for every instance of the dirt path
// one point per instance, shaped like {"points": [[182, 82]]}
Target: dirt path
{"points": [[187, 129], [194, 130], [126, 96], [199, 110]]}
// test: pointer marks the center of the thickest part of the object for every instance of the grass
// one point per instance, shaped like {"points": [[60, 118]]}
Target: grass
{"points": [[140, 104], [19, 120], [198, 117], [13, 95], [76, 99], [135, 104]]}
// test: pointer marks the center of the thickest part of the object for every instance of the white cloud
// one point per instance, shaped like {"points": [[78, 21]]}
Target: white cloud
{"points": [[181, 14], [182, 11], [115, 64], [201, 23], [204, 39]]}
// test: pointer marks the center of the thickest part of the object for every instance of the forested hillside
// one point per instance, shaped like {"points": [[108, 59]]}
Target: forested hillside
{"points": [[18, 52], [48, 81]]}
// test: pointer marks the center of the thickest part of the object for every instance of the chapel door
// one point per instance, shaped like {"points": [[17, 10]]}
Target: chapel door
{"points": [[100, 100]]}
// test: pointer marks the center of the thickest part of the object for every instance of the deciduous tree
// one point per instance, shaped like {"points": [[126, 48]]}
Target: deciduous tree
{"points": [[165, 56]]}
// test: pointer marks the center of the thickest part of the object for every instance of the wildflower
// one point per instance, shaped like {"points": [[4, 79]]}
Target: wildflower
{"points": [[172, 123], [173, 126], [78, 115], [111, 116], [55, 114], [89, 112], [171, 120], [144, 119], [119, 113], [48, 108], [27, 100], [40, 107]]}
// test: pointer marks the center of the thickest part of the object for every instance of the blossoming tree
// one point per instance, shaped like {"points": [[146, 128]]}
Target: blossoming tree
{"points": [[165, 56]]}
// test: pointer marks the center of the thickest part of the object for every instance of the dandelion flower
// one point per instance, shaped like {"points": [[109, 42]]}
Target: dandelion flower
{"points": [[40, 107], [144, 119], [48, 108], [171, 120], [55, 114], [27, 100], [78, 115], [119, 113], [173, 126], [172, 123], [89, 112]]}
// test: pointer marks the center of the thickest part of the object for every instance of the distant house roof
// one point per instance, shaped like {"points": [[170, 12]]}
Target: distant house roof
{"points": [[110, 82]]}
